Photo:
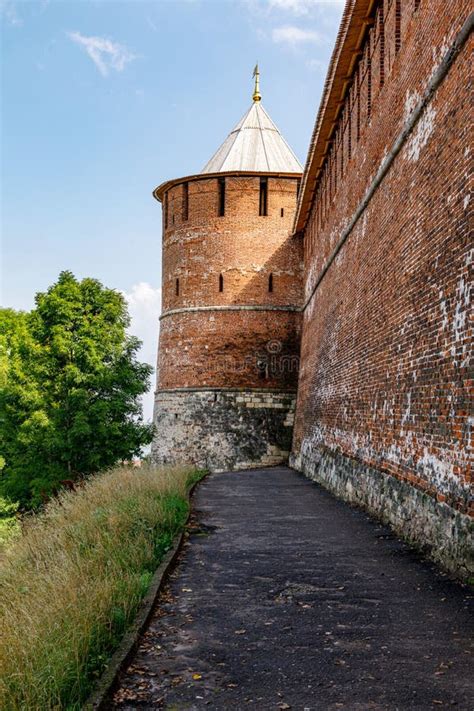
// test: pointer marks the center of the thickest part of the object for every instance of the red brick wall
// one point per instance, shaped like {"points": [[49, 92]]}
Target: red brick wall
{"points": [[236, 349], [241, 245], [221, 348], [386, 336]]}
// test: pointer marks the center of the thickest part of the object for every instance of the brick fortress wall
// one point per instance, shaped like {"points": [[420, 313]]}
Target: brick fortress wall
{"points": [[382, 411], [230, 328]]}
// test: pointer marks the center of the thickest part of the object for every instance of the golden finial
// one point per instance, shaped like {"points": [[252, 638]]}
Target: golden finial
{"points": [[256, 93]]}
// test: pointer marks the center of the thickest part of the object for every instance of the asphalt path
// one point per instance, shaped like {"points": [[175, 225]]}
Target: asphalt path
{"points": [[286, 598]]}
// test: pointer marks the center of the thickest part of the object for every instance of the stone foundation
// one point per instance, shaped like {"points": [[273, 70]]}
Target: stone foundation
{"points": [[442, 532], [221, 429]]}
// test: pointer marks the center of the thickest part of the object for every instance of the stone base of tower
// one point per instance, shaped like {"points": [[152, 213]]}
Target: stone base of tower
{"points": [[221, 429]]}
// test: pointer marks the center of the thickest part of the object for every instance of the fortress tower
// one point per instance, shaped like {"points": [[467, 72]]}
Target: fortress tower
{"points": [[232, 288]]}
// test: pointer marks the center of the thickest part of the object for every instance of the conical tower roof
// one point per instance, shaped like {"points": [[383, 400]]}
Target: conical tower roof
{"points": [[254, 145]]}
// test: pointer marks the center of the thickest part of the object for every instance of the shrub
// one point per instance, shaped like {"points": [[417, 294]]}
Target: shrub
{"points": [[73, 581], [9, 524]]}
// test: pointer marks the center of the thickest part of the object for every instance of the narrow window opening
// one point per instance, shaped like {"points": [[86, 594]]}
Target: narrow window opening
{"points": [[349, 126], [221, 283], [185, 201], [262, 210], [369, 80], [328, 180], [172, 219], [331, 173], [166, 210], [177, 287], [221, 183], [322, 197], [331, 177], [358, 104], [282, 212], [298, 185], [398, 20], [382, 46], [270, 283], [342, 148], [326, 190]]}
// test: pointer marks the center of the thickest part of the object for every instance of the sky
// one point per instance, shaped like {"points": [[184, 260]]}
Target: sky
{"points": [[104, 100]]}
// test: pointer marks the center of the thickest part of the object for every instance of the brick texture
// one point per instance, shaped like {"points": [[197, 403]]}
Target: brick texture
{"points": [[385, 373], [222, 348], [242, 246]]}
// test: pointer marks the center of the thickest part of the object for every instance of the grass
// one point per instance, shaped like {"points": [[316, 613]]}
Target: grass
{"points": [[72, 582]]}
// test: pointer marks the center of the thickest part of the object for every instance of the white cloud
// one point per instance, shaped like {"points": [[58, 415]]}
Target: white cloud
{"points": [[291, 7], [321, 14], [105, 54], [8, 11], [297, 7], [324, 12], [317, 65], [151, 24], [144, 307], [288, 34]]}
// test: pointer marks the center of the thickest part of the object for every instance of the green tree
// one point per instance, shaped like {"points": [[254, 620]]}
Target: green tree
{"points": [[20, 396], [71, 403]]}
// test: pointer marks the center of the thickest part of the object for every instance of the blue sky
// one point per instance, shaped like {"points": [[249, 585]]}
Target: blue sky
{"points": [[103, 100]]}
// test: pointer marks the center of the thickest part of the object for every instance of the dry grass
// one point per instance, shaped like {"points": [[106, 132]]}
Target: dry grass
{"points": [[73, 581]]}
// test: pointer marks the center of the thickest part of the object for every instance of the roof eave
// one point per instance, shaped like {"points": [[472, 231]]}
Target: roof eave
{"points": [[159, 191], [356, 18]]}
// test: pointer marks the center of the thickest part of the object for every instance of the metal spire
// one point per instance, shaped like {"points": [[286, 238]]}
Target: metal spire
{"points": [[256, 93]]}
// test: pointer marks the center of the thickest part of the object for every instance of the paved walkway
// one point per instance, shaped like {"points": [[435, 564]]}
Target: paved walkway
{"points": [[286, 598]]}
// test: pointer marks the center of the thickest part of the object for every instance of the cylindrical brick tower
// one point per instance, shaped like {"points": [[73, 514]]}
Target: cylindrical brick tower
{"points": [[232, 287]]}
